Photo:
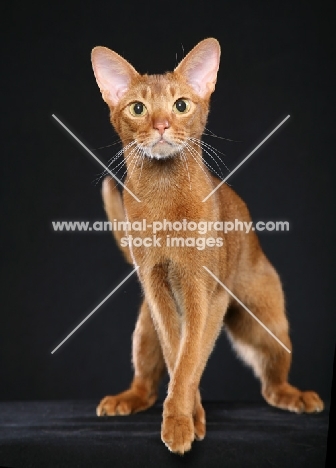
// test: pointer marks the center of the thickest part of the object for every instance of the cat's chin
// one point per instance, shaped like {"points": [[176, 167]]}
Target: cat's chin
{"points": [[162, 151], [161, 157]]}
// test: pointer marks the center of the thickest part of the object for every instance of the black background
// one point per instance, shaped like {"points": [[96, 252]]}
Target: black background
{"points": [[276, 60]]}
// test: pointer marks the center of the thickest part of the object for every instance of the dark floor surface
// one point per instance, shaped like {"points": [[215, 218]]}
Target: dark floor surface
{"points": [[69, 434]]}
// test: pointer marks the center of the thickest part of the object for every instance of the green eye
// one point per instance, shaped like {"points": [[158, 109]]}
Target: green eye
{"points": [[181, 106], [137, 109]]}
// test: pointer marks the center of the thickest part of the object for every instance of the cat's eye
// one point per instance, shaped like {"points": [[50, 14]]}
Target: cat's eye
{"points": [[137, 109], [181, 106]]}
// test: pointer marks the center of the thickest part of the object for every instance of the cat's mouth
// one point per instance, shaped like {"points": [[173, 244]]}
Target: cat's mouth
{"points": [[162, 149]]}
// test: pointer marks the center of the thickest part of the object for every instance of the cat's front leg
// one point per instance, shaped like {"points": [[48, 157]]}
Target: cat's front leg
{"points": [[201, 326], [187, 334]]}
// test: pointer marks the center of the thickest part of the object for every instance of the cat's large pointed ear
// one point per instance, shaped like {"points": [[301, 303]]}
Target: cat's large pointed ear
{"points": [[200, 66], [113, 74]]}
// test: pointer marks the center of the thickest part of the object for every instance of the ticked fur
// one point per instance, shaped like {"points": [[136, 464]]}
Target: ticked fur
{"points": [[184, 308]]}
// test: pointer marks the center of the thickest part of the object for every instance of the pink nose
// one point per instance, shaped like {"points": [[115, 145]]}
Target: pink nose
{"points": [[161, 125]]}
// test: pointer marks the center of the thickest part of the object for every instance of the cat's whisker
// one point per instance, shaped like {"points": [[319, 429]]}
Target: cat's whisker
{"points": [[190, 150], [210, 147], [213, 150], [128, 160], [142, 162], [132, 159], [118, 155], [107, 146], [127, 155], [101, 175], [145, 147], [121, 152], [183, 157], [203, 148], [212, 134], [97, 179], [135, 159], [127, 168], [203, 160], [122, 164]]}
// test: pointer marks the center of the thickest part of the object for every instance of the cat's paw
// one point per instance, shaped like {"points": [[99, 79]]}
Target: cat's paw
{"points": [[123, 404], [199, 423], [177, 433], [292, 399]]}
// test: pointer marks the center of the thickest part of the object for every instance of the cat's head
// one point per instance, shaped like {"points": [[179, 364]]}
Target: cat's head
{"points": [[158, 112]]}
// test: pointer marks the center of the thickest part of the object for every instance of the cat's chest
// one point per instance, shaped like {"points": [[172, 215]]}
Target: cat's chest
{"points": [[160, 232], [174, 204]]}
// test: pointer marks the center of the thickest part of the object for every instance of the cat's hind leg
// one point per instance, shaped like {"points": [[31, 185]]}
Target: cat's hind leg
{"points": [[261, 293], [148, 366]]}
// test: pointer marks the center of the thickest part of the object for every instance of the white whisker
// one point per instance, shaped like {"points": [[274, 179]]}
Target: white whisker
{"points": [[212, 134], [130, 160], [190, 150], [215, 151], [122, 151], [210, 147], [182, 155], [143, 158], [116, 156], [124, 160], [137, 155], [107, 146], [203, 160], [204, 148]]}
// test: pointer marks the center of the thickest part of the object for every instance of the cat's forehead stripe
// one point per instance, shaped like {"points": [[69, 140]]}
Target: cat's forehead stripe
{"points": [[172, 90], [146, 93], [157, 85]]}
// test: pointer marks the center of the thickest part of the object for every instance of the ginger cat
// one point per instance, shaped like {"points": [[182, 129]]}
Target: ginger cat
{"points": [[160, 120]]}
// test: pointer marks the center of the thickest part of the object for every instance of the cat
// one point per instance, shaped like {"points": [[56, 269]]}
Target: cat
{"points": [[160, 120]]}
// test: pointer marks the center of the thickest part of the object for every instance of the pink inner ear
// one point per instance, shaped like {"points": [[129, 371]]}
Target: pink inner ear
{"points": [[121, 91], [200, 66], [202, 76], [111, 81], [113, 74]]}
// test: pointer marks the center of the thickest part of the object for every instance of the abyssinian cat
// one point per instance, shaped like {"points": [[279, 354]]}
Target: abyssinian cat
{"points": [[160, 120]]}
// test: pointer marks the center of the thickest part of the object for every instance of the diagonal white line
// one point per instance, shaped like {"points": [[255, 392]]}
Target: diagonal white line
{"points": [[247, 310], [96, 308], [95, 157], [245, 159]]}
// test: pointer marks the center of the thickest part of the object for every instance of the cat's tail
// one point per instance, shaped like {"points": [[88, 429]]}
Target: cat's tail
{"points": [[115, 212]]}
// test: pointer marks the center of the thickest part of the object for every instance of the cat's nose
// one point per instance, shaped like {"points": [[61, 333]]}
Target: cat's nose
{"points": [[161, 125]]}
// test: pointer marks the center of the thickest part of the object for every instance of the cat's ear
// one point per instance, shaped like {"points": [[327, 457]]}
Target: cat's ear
{"points": [[200, 66], [113, 74]]}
